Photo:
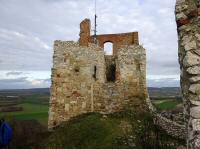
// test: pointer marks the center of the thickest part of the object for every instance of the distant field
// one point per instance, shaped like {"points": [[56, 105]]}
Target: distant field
{"points": [[164, 92], [167, 104], [167, 98], [35, 102], [30, 111], [34, 105]]}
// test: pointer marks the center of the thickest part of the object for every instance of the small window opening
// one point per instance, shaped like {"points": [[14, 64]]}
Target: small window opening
{"points": [[108, 48], [137, 65], [95, 73], [65, 59], [76, 69], [110, 73]]}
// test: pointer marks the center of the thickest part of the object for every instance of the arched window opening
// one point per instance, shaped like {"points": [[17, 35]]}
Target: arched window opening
{"points": [[108, 48]]}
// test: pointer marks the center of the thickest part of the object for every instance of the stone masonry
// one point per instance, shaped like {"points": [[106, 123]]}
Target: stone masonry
{"points": [[188, 26], [171, 127], [84, 79]]}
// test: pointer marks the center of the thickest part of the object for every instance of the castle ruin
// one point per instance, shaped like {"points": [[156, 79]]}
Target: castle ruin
{"points": [[84, 79]]}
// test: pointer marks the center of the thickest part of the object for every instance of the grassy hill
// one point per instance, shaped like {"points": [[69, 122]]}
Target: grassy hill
{"points": [[122, 130]]}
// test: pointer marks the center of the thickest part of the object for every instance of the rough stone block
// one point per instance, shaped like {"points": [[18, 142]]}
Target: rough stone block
{"points": [[180, 1], [195, 89], [191, 59], [195, 70], [196, 124], [190, 45], [84, 105], [67, 107], [181, 16], [182, 22], [195, 112], [195, 102], [194, 79]]}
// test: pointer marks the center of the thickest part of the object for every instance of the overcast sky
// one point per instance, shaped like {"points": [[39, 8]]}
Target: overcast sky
{"points": [[29, 27]]}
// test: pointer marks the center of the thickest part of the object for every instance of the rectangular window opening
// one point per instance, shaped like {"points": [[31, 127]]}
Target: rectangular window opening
{"points": [[111, 73]]}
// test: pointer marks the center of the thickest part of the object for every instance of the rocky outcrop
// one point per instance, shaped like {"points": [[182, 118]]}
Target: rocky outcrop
{"points": [[188, 27]]}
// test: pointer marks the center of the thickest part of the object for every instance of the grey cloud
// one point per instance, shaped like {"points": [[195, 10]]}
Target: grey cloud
{"points": [[166, 82], [23, 82], [163, 67], [16, 80], [14, 73], [29, 28], [48, 80]]}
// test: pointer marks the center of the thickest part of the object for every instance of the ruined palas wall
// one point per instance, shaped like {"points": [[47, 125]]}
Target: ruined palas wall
{"points": [[129, 89], [79, 83], [188, 26], [132, 66], [72, 79]]}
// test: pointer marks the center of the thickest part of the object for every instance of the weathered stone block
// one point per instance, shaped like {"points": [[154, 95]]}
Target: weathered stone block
{"points": [[194, 79], [195, 112], [182, 22], [180, 1], [190, 45], [191, 59], [195, 70], [195, 102], [67, 107], [196, 124], [84, 105], [193, 13], [197, 35], [181, 16], [195, 89]]}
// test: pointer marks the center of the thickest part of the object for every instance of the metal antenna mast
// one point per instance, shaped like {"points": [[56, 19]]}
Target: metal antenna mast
{"points": [[95, 23]]}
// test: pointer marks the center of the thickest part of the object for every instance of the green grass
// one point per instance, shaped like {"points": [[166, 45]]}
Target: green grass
{"points": [[36, 98], [93, 131], [167, 105], [35, 106], [30, 111], [87, 132], [196, 1]]}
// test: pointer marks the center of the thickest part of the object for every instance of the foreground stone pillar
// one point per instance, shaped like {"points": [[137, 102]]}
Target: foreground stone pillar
{"points": [[188, 27]]}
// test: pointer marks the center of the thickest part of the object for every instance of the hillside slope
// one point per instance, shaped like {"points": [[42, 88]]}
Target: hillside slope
{"points": [[123, 130]]}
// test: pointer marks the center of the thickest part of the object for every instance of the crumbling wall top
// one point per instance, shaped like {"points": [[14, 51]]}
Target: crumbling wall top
{"points": [[85, 27], [117, 39]]}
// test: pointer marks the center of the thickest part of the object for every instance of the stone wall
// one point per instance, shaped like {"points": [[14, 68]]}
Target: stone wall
{"points": [[188, 27], [132, 66], [79, 78], [72, 79], [171, 127]]}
